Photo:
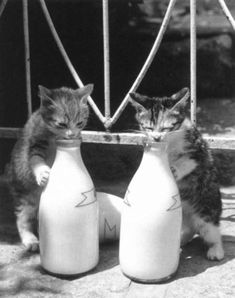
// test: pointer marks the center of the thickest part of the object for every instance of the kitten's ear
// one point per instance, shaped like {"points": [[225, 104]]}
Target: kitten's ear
{"points": [[180, 99], [45, 96], [84, 92], [44, 92], [136, 96], [135, 99]]}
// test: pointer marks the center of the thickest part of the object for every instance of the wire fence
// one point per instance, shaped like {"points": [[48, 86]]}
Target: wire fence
{"points": [[107, 119]]}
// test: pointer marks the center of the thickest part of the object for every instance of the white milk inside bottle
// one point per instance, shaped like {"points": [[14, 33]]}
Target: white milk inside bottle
{"points": [[68, 215], [151, 220]]}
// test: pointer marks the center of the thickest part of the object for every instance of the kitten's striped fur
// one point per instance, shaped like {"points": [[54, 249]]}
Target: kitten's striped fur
{"points": [[62, 115], [191, 163]]}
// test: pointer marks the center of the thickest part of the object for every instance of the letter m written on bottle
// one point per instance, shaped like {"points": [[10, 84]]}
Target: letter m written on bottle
{"points": [[110, 232]]}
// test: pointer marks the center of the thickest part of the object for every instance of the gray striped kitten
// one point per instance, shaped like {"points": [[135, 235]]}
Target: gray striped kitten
{"points": [[62, 115], [191, 163]]}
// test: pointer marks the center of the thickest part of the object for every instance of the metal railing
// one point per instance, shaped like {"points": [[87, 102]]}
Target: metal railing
{"points": [[107, 119]]}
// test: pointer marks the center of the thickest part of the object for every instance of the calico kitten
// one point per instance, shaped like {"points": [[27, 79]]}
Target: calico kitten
{"points": [[62, 115], [191, 163]]}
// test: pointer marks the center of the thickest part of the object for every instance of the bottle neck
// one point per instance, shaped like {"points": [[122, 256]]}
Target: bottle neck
{"points": [[157, 148], [156, 153], [69, 149], [71, 143]]}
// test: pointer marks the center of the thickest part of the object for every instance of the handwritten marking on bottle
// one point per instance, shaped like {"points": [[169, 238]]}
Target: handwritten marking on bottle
{"points": [[176, 204], [108, 229], [126, 201], [86, 199]]}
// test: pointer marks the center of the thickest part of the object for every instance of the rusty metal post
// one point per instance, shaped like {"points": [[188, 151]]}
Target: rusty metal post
{"points": [[193, 60], [27, 56]]}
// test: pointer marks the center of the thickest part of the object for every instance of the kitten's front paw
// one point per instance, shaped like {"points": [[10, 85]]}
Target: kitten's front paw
{"points": [[31, 243], [42, 175], [215, 253]]}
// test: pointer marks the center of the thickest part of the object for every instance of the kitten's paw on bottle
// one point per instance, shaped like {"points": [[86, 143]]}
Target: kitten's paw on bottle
{"points": [[42, 174]]}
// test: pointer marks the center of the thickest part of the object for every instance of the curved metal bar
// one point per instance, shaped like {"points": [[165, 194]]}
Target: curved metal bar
{"points": [[3, 4], [147, 63], [227, 13], [67, 60], [27, 56]]}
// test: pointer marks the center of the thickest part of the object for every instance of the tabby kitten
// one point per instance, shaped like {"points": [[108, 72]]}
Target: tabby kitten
{"points": [[62, 115], [191, 163]]}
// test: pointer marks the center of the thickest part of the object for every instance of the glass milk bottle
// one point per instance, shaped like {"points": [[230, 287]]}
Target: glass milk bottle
{"points": [[151, 220], [68, 215]]}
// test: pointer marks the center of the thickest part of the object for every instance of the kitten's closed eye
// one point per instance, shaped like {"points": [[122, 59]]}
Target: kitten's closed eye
{"points": [[80, 123], [167, 128], [148, 128], [61, 125]]}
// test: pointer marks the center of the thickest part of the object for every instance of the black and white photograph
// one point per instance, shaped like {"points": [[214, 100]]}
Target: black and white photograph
{"points": [[117, 148]]}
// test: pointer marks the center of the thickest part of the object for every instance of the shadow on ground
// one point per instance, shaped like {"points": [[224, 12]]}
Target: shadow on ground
{"points": [[193, 258]]}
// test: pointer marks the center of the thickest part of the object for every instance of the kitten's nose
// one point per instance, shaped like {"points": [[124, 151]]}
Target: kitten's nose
{"points": [[70, 133]]}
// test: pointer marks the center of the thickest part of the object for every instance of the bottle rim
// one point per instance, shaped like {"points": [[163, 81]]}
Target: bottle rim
{"points": [[68, 143], [156, 144]]}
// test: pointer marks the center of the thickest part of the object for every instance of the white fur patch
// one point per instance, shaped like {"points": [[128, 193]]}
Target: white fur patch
{"points": [[193, 224], [182, 167], [211, 235], [176, 142]]}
